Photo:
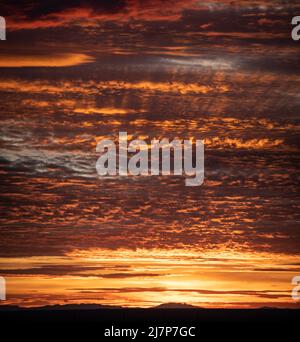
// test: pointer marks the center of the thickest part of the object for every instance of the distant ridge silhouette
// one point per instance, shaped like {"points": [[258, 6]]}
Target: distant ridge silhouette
{"points": [[175, 306], [95, 307], [84, 307], [60, 307]]}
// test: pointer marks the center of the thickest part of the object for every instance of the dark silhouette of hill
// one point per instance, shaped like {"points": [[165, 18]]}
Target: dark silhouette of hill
{"points": [[94, 319], [175, 306], [78, 307], [169, 306], [58, 307], [172, 312]]}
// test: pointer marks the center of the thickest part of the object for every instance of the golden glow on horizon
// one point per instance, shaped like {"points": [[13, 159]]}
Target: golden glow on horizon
{"points": [[126, 277]]}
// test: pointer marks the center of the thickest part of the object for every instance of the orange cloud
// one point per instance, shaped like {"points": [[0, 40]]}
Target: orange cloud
{"points": [[264, 143], [59, 60], [106, 111], [92, 87]]}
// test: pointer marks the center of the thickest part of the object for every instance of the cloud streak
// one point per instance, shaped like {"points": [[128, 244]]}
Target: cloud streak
{"points": [[59, 60]]}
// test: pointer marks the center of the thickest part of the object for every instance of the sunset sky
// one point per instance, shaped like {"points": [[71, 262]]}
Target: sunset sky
{"points": [[75, 72]]}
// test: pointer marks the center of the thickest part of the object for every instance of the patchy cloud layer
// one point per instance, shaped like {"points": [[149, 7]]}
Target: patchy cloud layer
{"points": [[223, 71]]}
